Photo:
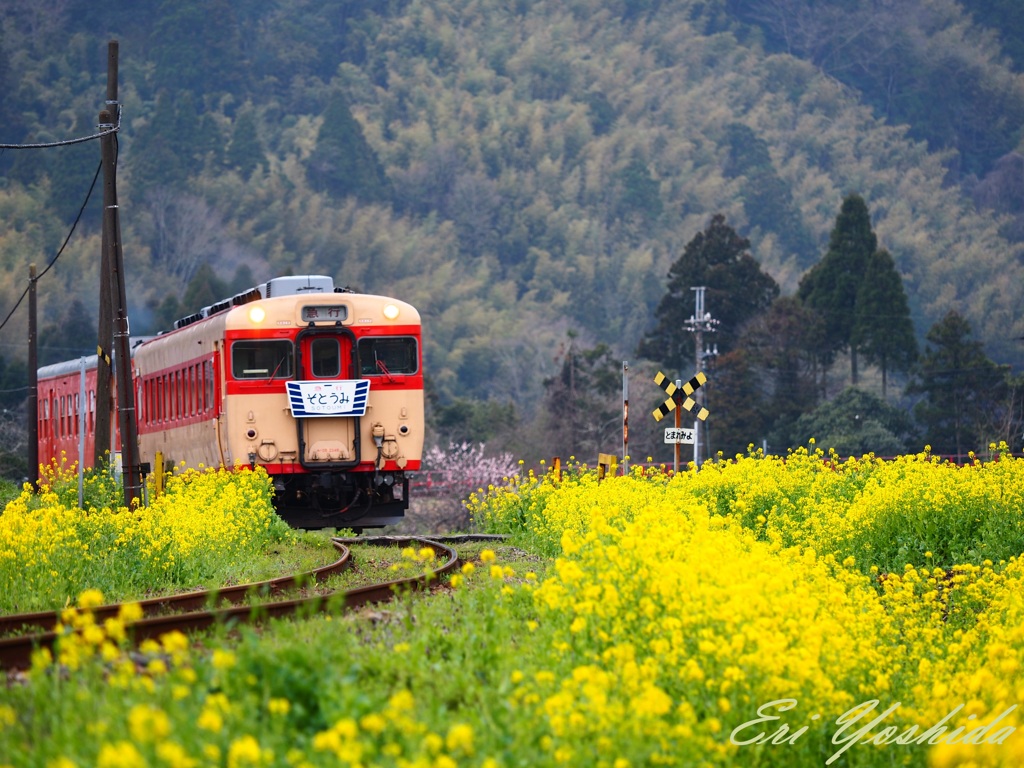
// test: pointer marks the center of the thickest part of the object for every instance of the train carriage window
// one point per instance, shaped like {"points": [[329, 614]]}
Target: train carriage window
{"points": [[208, 384], [326, 354], [390, 354], [261, 359]]}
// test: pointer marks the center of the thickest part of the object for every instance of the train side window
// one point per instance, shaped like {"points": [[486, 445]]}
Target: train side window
{"points": [[261, 359], [389, 354], [326, 354], [208, 384]]}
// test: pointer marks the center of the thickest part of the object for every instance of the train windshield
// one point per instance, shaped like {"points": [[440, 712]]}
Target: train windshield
{"points": [[391, 354], [261, 359], [326, 357]]}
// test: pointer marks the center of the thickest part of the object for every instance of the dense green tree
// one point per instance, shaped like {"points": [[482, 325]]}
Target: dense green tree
{"points": [[1004, 17], [165, 152], [767, 199], [639, 195], [204, 289], [71, 171], [961, 388], [71, 335], [10, 116], [162, 311], [856, 422], [782, 347], [242, 280], [736, 291], [583, 401], [343, 163], [245, 151], [602, 113], [882, 328], [13, 383], [832, 285], [899, 56], [197, 47], [740, 412], [471, 421]]}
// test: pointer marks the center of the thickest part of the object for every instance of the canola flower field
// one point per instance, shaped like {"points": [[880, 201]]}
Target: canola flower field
{"points": [[764, 611]]}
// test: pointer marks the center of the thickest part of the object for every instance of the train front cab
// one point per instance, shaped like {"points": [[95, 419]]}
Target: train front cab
{"points": [[334, 412]]}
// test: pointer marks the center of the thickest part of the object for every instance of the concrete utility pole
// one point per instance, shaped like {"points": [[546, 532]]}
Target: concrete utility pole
{"points": [[700, 322]]}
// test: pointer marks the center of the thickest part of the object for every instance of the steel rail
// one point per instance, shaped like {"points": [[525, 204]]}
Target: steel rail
{"points": [[16, 652], [188, 601]]}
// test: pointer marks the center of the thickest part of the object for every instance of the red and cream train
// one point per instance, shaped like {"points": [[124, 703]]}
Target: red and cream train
{"points": [[320, 386]]}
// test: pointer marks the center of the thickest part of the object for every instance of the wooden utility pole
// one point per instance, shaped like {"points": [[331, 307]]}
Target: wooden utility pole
{"points": [[130, 467], [33, 382], [105, 331]]}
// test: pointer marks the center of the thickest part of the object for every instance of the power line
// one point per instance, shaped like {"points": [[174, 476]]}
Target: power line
{"points": [[67, 142], [63, 246]]}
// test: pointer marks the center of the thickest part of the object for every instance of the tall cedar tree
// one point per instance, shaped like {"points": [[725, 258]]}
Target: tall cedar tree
{"points": [[831, 286], [245, 151], [961, 385], [737, 290], [882, 328], [343, 163]]}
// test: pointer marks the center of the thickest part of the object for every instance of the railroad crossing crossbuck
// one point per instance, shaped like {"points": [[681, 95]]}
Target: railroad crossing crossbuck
{"points": [[673, 395]]}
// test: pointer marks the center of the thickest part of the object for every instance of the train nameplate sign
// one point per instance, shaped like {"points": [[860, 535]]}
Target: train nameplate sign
{"points": [[328, 398]]}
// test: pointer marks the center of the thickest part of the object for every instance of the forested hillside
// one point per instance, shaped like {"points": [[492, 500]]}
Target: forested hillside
{"points": [[524, 172]]}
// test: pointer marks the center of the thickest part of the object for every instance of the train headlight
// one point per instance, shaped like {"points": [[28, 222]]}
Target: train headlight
{"points": [[391, 311], [257, 314]]}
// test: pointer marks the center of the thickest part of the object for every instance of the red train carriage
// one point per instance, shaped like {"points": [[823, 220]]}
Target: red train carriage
{"points": [[323, 388], [61, 395]]}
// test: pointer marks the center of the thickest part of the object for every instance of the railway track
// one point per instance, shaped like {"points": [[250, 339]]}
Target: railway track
{"points": [[21, 634]]}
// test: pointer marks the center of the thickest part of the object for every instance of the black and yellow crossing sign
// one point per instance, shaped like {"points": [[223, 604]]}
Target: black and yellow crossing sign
{"points": [[672, 391]]}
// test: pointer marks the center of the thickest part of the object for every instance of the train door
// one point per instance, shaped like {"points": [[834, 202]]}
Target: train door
{"points": [[328, 435]]}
